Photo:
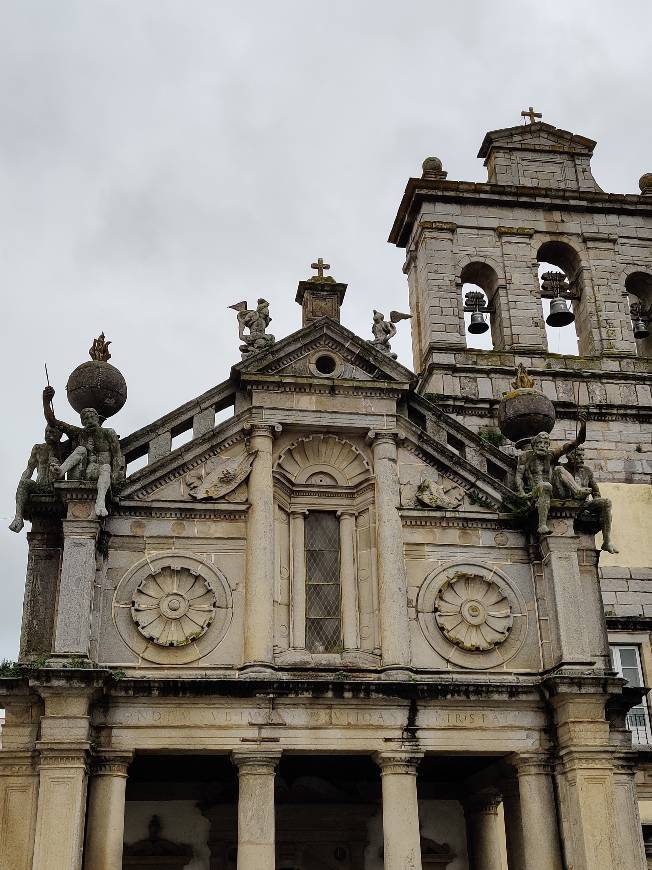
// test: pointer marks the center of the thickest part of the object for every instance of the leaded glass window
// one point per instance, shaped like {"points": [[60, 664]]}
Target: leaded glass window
{"points": [[323, 619]]}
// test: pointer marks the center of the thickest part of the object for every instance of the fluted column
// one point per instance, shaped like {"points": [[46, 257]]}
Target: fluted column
{"points": [[298, 578], [256, 812], [350, 631], [539, 822], [259, 580], [483, 831], [392, 579], [401, 836], [106, 811]]}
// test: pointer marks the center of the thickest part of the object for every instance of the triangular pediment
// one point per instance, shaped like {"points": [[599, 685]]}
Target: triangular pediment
{"points": [[298, 355], [538, 136]]}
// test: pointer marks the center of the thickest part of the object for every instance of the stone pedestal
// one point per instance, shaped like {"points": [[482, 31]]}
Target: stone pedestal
{"points": [[483, 832], [41, 584], [259, 579], [18, 797], [538, 814], [401, 837], [106, 811], [73, 621], [256, 814], [61, 806], [392, 579]]}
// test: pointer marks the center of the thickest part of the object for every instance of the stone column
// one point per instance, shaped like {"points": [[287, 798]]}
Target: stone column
{"points": [[298, 578], [392, 579], [348, 584], [106, 811], [259, 580], [513, 825], [401, 837], [256, 812], [61, 807], [628, 822], [73, 621], [483, 832], [540, 831]]}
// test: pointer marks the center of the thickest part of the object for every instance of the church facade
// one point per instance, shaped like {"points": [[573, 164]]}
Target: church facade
{"points": [[363, 617]]}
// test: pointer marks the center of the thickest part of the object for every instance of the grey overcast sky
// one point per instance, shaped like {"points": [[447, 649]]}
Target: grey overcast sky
{"points": [[161, 160]]}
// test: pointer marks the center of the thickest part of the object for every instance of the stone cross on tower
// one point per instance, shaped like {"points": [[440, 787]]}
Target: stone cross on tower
{"points": [[321, 295], [531, 114], [320, 266]]}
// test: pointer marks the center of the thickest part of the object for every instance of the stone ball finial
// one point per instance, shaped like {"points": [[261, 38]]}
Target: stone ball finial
{"points": [[96, 383], [433, 168], [645, 183]]}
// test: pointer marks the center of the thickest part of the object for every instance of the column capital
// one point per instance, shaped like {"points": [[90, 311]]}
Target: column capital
{"points": [[383, 436], [256, 761], [18, 762], [402, 763], [266, 430], [531, 764], [62, 755], [111, 762], [298, 511], [347, 512], [483, 803]]}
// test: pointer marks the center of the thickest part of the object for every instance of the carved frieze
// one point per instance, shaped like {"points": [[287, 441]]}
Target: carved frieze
{"points": [[220, 477]]}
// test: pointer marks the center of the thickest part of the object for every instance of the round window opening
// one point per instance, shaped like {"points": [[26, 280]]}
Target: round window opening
{"points": [[325, 364]]}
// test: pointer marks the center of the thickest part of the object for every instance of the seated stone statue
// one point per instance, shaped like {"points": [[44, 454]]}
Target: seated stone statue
{"points": [[97, 455], [46, 460], [596, 507], [538, 475]]}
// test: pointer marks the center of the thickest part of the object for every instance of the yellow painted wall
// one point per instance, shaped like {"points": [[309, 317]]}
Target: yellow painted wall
{"points": [[631, 506]]}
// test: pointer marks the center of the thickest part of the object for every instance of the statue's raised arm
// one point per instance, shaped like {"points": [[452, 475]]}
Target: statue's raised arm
{"points": [[48, 410], [580, 438]]}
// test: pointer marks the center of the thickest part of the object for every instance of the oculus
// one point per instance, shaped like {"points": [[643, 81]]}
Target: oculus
{"points": [[473, 612]]}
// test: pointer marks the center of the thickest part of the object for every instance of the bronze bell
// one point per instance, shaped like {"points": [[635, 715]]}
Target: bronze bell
{"points": [[640, 328], [559, 313], [478, 324]]}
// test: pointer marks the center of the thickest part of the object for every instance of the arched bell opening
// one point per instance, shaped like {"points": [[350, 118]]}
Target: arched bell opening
{"points": [[561, 283], [638, 287], [482, 314]]}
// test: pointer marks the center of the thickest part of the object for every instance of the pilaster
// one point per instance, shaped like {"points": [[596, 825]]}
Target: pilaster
{"points": [[348, 581], [298, 578], [18, 801], [41, 587]]}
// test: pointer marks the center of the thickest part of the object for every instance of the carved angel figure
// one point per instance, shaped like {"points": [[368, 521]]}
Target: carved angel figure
{"points": [[256, 321], [384, 330]]}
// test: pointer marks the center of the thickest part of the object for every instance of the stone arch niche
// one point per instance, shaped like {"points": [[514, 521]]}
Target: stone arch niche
{"points": [[566, 258], [326, 601], [639, 291], [478, 275]]}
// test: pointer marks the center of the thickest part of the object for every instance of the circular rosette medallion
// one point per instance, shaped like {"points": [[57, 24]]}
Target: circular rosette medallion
{"points": [[173, 606], [473, 612]]}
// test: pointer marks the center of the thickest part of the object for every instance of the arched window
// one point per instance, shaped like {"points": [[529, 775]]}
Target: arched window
{"points": [[560, 276], [479, 283], [639, 290]]}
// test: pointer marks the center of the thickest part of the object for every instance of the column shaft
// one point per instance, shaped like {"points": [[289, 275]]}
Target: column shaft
{"points": [[350, 631], [538, 815], [256, 814], [628, 822], [106, 813], [513, 826], [60, 812], [401, 836], [18, 798], [392, 579], [259, 581], [484, 833], [73, 623], [298, 578]]}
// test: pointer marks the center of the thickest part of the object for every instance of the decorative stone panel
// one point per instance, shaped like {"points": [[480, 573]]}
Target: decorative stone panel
{"points": [[472, 615], [172, 609]]}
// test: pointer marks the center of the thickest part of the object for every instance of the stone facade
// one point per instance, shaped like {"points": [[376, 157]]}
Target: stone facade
{"points": [[321, 627]]}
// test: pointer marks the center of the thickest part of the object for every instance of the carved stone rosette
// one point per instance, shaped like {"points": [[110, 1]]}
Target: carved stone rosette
{"points": [[173, 606], [473, 612]]}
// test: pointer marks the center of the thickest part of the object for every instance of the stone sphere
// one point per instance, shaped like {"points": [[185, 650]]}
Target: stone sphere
{"points": [[525, 413], [99, 385], [432, 164], [645, 183]]}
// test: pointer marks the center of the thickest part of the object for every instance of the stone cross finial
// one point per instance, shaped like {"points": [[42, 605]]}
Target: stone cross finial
{"points": [[320, 266], [531, 115]]}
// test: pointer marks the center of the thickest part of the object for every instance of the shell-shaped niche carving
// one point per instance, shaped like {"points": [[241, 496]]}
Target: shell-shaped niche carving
{"points": [[173, 606], [473, 612], [326, 455]]}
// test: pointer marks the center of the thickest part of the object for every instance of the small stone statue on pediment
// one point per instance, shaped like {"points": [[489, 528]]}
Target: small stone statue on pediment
{"points": [[538, 474], [443, 496], [256, 321], [45, 459], [384, 330], [97, 455], [596, 508]]}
